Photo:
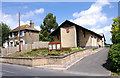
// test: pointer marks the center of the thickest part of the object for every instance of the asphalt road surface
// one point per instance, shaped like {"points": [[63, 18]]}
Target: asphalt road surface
{"points": [[92, 65], [18, 70], [89, 66]]}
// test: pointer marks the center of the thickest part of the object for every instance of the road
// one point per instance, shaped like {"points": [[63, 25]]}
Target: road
{"points": [[18, 70], [92, 65], [89, 66]]}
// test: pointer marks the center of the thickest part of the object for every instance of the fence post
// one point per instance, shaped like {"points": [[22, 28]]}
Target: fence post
{"points": [[7, 50], [2, 52]]}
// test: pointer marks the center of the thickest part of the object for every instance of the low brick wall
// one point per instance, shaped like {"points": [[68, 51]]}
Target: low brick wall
{"points": [[53, 60]]}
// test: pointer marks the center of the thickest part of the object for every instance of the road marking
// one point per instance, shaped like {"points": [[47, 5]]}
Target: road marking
{"points": [[29, 67], [7, 71]]}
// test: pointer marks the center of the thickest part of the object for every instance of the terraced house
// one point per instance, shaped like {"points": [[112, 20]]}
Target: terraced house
{"points": [[73, 35], [28, 35]]}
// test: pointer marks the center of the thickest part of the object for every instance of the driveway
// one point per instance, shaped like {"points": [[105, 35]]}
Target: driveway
{"points": [[92, 65]]}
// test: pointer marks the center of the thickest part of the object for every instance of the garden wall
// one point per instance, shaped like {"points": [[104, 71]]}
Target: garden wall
{"points": [[53, 60], [35, 45]]}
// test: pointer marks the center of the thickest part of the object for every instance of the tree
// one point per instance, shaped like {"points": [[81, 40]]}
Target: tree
{"points": [[4, 30], [49, 24], [116, 30]]}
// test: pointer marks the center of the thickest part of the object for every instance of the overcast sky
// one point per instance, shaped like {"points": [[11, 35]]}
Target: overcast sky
{"points": [[96, 16]]}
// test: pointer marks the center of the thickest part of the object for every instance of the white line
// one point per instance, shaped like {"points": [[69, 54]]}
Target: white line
{"points": [[7, 71]]}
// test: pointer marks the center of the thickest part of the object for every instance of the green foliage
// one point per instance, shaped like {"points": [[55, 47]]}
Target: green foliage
{"points": [[17, 52], [45, 51], [77, 48], [34, 53], [114, 57], [4, 29], [53, 54], [116, 30], [49, 24], [115, 74], [66, 51], [95, 48], [21, 55]]}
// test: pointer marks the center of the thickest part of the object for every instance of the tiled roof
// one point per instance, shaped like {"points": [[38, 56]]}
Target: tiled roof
{"points": [[24, 27]]}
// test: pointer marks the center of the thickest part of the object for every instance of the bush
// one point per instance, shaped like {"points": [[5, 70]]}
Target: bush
{"points": [[53, 54], [114, 57], [95, 48]]}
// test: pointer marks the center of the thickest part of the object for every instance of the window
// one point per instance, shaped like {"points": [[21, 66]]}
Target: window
{"points": [[21, 42], [21, 33], [91, 36], [11, 44], [15, 33], [10, 35]]}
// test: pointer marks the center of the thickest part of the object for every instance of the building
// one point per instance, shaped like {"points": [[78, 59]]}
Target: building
{"points": [[73, 35], [28, 35]]}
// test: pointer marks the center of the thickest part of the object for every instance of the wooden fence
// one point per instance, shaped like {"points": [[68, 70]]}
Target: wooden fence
{"points": [[28, 47]]}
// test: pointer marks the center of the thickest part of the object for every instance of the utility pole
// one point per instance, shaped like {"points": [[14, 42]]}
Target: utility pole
{"points": [[19, 34]]}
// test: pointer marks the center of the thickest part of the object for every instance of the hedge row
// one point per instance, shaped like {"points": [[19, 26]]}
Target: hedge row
{"points": [[114, 57]]}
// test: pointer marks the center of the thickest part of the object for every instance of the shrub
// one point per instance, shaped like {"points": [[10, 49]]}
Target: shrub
{"points": [[53, 54], [34, 49], [114, 57], [3, 47], [44, 50], [95, 48]]}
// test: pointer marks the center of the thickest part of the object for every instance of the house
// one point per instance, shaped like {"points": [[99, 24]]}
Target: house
{"points": [[73, 35], [28, 35]]}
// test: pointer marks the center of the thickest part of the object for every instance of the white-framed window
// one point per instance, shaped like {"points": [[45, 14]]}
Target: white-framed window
{"points": [[21, 33], [10, 35], [11, 43], [22, 41], [91, 36]]}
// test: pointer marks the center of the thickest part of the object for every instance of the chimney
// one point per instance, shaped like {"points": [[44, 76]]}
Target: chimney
{"points": [[31, 24]]}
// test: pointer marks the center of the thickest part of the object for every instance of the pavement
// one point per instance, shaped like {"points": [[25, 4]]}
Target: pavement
{"points": [[92, 65]]}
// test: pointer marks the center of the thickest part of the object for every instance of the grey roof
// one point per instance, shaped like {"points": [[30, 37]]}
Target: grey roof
{"points": [[101, 34], [71, 23]]}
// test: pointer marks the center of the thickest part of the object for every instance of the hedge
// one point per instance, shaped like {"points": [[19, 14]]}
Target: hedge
{"points": [[114, 57]]}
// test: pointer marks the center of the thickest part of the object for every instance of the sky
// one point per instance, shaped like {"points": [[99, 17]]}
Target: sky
{"points": [[96, 16]]}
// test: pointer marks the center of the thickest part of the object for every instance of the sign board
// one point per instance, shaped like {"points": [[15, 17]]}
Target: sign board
{"points": [[54, 46], [50, 47], [58, 46]]}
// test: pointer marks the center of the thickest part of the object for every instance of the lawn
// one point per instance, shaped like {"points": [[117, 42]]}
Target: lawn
{"points": [[44, 52]]}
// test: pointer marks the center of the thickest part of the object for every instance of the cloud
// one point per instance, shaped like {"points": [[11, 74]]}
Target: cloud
{"points": [[92, 16], [11, 20], [111, 6], [25, 7], [106, 30], [32, 13], [38, 28], [41, 10]]}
